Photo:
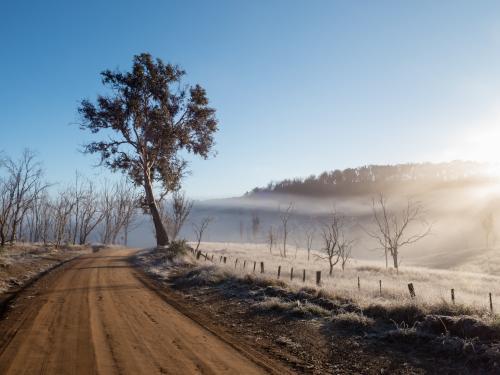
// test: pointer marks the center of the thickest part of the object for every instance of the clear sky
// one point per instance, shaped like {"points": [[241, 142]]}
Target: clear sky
{"points": [[300, 86]]}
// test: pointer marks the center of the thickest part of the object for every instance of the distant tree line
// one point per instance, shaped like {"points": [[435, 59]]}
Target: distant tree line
{"points": [[32, 210], [371, 178]]}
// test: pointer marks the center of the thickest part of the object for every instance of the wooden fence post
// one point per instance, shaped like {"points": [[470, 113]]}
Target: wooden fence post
{"points": [[261, 267], [318, 277], [225, 260], [491, 303], [254, 265], [304, 275], [279, 271], [412, 290], [453, 296], [380, 287], [235, 263], [212, 257], [220, 259], [359, 284], [291, 274], [244, 264]]}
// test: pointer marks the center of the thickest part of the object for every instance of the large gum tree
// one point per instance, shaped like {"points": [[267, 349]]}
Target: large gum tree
{"points": [[147, 120]]}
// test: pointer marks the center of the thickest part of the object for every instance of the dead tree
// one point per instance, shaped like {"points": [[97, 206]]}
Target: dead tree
{"points": [[6, 206], [78, 193], [62, 210], [392, 228], [333, 237], [175, 213], [25, 180], [285, 225], [345, 250], [107, 206], [126, 204], [271, 239], [200, 228], [118, 207], [89, 215], [46, 220], [309, 237], [38, 218]]}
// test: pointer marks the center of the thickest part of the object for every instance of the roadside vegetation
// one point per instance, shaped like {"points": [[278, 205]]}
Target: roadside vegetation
{"points": [[430, 319]]}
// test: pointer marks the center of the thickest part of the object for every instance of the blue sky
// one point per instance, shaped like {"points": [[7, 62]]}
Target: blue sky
{"points": [[300, 86]]}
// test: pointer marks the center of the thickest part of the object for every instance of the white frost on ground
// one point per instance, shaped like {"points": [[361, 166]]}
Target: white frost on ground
{"points": [[432, 286]]}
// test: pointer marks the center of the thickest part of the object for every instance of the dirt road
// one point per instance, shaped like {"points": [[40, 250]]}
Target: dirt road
{"points": [[96, 316]]}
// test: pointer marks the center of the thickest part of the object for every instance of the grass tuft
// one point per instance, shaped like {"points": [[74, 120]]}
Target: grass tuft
{"points": [[351, 320]]}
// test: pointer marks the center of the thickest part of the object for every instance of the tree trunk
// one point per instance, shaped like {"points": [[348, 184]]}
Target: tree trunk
{"points": [[125, 233], [161, 233], [331, 270], [395, 259], [13, 232]]}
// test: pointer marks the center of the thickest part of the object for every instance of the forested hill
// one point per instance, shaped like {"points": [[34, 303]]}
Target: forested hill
{"points": [[378, 178]]}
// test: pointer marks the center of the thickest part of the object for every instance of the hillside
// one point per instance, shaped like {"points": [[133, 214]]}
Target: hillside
{"points": [[371, 179]]}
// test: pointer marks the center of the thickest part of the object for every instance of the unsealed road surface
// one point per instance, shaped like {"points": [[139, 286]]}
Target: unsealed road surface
{"points": [[96, 316]]}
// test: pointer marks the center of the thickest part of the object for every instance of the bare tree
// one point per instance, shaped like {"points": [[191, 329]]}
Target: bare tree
{"points": [[7, 198], [62, 209], [46, 220], [285, 225], [345, 250], [89, 215], [333, 237], [200, 228], [392, 227], [126, 206], [26, 182], [296, 242], [488, 223], [107, 206], [176, 215], [309, 237], [77, 196], [271, 238], [36, 227], [20, 188], [118, 207]]}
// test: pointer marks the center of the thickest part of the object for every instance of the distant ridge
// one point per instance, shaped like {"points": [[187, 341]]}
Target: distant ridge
{"points": [[374, 178]]}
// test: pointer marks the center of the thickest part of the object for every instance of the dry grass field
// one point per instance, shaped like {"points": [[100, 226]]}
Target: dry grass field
{"points": [[432, 286]]}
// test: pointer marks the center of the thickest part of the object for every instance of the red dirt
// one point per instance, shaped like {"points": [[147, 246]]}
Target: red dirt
{"points": [[97, 314]]}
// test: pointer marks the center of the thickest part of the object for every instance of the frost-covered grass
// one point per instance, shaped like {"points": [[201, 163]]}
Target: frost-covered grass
{"points": [[352, 320], [295, 308], [21, 262], [432, 286]]}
